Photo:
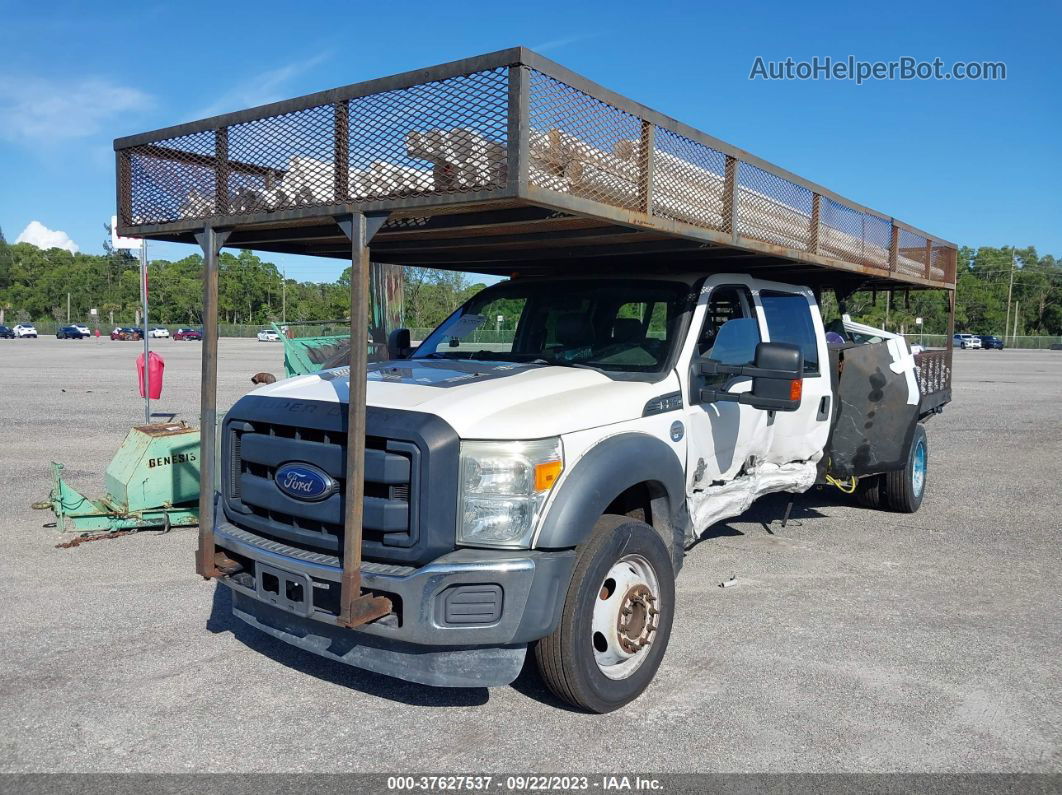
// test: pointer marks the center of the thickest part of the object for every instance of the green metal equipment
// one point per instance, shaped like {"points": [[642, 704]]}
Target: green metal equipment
{"points": [[304, 355], [152, 482]]}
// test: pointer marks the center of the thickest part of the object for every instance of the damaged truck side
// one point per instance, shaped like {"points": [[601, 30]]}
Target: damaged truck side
{"points": [[535, 492]]}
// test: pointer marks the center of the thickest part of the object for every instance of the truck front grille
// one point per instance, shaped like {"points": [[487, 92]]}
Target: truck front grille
{"points": [[257, 449], [411, 465]]}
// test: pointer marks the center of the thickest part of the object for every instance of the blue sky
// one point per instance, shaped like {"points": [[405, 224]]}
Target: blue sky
{"points": [[978, 163]]}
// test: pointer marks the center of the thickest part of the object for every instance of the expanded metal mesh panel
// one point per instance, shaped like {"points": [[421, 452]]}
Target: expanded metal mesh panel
{"points": [[877, 238], [943, 264], [840, 231], [688, 181], [443, 137], [911, 253], [583, 146], [772, 209], [172, 179]]}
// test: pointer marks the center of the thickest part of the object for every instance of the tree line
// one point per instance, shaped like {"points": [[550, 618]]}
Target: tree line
{"points": [[35, 285]]}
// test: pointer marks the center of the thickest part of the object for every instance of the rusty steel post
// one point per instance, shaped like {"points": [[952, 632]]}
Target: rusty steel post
{"points": [[210, 240], [356, 608], [730, 196]]}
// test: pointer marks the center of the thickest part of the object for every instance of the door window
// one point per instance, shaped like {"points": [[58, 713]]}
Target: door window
{"points": [[789, 320], [730, 332]]}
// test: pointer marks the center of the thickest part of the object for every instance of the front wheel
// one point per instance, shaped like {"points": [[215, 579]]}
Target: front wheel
{"points": [[616, 620]]}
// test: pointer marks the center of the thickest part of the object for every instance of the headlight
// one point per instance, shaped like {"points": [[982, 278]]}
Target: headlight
{"points": [[503, 488]]}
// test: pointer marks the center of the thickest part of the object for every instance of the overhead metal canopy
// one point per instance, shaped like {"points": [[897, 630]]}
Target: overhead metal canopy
{"points": [[507, 163]]}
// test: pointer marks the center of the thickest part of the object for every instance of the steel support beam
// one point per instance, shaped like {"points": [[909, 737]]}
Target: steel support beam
{"points": [[355, 607], [210, 240]]}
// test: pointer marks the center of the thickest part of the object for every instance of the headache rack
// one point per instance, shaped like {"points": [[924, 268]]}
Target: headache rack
{"points": [[504, 163]]}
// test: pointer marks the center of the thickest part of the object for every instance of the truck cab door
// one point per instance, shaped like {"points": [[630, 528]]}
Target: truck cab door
{"points": [[722, 436], [791, 315]]}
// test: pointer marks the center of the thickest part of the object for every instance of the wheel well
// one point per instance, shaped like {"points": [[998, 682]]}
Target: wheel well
{"points": [[647, 502]]}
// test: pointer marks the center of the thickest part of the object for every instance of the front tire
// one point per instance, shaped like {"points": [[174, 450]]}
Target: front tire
{"points": [[616, 620]]}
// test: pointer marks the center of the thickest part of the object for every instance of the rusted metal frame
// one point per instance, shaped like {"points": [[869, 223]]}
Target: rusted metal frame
{"points": [[730, 196], [211, 240], [928, 270], [123, 177], [814, 223], [509, 57], [310, 234], [341, 146], [355, 607], [221, 171], [517, 154], [574, 235], [451, 260], [647, 166], [894, 249]]}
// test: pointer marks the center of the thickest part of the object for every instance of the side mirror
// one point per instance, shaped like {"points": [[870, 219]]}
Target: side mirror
{"points": [[398, 345], [777, 378]]}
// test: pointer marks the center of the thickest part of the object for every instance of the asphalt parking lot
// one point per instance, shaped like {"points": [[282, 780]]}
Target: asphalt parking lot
{"points": [[855, 640]]}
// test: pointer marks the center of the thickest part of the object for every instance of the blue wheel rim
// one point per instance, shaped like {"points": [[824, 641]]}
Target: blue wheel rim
{"points": [[918, 468]]}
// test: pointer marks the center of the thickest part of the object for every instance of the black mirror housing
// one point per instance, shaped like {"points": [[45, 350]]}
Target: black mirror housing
{"points": [[777, 378], [781, 383], [398, 344]]}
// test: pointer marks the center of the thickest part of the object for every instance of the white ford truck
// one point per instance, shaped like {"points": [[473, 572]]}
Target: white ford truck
{"points": [[541, 492]]}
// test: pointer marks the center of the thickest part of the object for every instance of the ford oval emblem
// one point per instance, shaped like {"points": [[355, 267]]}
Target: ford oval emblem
{"points": [[304, 482]]}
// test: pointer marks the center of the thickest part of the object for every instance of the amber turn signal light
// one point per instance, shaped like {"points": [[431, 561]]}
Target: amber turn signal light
{"points": [[546, 475]]}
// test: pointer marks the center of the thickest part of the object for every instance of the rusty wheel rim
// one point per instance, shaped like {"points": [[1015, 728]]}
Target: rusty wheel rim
{"points": [[626, 616]]}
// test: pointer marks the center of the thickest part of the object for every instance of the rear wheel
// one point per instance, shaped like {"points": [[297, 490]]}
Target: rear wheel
{"points": [[616, 620], [905, 488]]}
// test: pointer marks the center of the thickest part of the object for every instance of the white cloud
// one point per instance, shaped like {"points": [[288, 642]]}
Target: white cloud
{"points": [[37, 234], [37, 109], [263, 88], [556, 44]]}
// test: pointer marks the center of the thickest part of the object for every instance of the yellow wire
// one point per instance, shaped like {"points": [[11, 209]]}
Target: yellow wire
{"points": [[845, 486]]}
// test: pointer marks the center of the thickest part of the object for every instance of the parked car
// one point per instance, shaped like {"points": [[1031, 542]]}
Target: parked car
{"points": [[188, 334], [126, 333], [70, 333], [268, 335], [6, 333], [85, 330], [965, 341], [158, 332], [988, 342], [25, 330]]}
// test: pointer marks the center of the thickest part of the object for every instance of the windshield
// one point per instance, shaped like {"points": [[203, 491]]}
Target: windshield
{"points": [[616, 326]]}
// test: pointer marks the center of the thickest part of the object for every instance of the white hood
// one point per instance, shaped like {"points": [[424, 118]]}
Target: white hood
{"points": [[487, 400]]}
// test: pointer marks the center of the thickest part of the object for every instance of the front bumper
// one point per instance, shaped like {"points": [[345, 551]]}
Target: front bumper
{"points": [[462, 620]]}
